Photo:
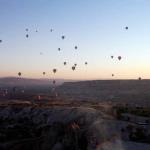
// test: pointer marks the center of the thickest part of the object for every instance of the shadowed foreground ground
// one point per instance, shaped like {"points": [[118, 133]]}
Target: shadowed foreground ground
{"points": [[30, 126]]}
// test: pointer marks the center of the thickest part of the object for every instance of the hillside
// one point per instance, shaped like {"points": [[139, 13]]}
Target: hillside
{"points": [[116, 90], [11, 81]]}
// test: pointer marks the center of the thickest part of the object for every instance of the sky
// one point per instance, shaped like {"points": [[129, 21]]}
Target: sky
{"points": [[97, 27]]}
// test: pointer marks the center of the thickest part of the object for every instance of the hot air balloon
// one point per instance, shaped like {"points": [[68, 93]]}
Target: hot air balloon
{"points": [[36, 30], [76, 47], [112, 75], [73, 68], [44, 73], [140, 78], [59, 49], [75, 65], [112, 57], [0, 41], [41, 53], [63, 37], [119, 57], [27, 35], [86, 63], [19, 74], [51, 30], [65, 63], [54, 70], [27, 29], [126, 28]]}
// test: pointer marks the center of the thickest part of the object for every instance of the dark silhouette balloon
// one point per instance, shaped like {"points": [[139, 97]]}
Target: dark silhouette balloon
{"points": [[73, 68], [112, 75], [76, 47], [63, 37], [59, 49], [0, 41], [140, 78], [27, 35], [119, 57], [126, 28], [86, 63], [19, 74], [112, 57], [44, 73], [54, 70], [65, 63], [51, 30], [75, 65], [27, 29]]}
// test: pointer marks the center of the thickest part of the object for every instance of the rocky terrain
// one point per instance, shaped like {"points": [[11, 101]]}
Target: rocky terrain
{"points": [[61, 126], [85, 115]]}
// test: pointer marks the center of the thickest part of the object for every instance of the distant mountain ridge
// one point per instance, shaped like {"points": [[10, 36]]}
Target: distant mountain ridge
{"points": [[11, 81], [116, 90]]}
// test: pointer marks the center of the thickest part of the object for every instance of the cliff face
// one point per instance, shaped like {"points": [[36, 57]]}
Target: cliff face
{"points": [[107, 90]]}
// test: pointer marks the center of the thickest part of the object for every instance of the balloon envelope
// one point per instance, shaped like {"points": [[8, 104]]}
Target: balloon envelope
{"points": [[19, 73], [54, 70], [63, 37], [119, 57], [76, 47], [73, 68], [27, 35], [140, 78], [86, 63]]}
